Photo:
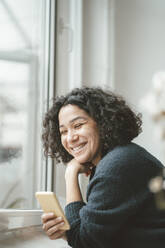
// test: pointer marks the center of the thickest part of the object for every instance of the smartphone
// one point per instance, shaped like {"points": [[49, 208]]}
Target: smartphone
{"points": [[49, 203]]}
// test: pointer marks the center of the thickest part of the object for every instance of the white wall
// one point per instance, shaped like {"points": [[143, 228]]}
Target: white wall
{"points": [[139, 54]]}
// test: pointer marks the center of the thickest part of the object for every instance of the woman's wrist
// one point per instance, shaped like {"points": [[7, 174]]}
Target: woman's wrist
{"points": [[73, 192], [71, 172]]}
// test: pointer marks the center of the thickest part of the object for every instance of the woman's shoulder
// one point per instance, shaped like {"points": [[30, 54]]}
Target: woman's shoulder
{"points": [[130, 158], [130, 149], [131, 152], [124, 153]]}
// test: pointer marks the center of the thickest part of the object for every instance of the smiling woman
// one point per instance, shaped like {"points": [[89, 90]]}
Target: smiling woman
{"points": [[91, 131]]}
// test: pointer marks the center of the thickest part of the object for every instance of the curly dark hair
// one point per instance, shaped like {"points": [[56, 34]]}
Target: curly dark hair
{"points": [[116, 122]]}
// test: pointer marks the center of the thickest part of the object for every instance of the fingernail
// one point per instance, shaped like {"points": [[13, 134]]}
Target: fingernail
{"points": [[62, 223], [42, 216], [59, 218]]}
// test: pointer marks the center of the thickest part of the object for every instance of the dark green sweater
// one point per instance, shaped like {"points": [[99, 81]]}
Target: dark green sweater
{"points": [[120, 211]]}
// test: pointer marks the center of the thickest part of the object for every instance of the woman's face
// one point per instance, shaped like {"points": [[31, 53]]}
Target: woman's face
{"points": [[79, 134]]}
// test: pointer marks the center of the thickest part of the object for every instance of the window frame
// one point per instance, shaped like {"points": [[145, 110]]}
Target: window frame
{"points": [[32, 218]]}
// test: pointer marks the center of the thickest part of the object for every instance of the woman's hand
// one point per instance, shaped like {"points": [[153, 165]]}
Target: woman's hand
{"points": [[52, 226], [75, 167]]}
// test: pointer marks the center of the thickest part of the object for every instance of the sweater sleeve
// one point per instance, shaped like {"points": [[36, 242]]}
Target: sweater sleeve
{"points": [[95, 224]]}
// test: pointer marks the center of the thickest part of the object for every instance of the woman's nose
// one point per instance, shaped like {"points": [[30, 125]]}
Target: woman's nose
{"points": [[72, 136]]}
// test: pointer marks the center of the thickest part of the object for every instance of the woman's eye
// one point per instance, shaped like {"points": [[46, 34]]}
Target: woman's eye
{"points": [[78, 125]]}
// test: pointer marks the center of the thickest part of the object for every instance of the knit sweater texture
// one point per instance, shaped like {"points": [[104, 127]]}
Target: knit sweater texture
{"points": [[120, 211]]}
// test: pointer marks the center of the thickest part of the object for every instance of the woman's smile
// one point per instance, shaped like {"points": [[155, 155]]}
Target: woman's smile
{"points": [[79, 148]]}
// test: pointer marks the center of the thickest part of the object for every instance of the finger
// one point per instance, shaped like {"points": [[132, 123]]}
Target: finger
{"points": [[47, 216], [47, 225], [50, 216], [58, 235], [55, 229]]}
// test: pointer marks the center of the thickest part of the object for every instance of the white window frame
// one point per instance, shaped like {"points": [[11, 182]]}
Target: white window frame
{"points": [[16, 219]]}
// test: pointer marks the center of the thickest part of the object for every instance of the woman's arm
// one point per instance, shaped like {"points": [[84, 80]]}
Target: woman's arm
{"points": [[73, 192]]}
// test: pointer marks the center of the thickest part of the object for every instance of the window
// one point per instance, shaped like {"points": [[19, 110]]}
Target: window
{"points": [[25, 83]]}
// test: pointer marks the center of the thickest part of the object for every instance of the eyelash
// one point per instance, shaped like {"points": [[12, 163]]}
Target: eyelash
{"points": [[76, 126]]}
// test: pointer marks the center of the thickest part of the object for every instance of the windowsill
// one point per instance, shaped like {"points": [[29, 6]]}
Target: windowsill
{"points": [[23, 228], [12, 219]]}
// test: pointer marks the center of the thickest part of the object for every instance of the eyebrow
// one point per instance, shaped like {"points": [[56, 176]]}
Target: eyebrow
{"points": [[75, 119]]}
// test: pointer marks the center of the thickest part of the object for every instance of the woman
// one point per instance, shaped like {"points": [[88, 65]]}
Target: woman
{"points": [[92, 131]]}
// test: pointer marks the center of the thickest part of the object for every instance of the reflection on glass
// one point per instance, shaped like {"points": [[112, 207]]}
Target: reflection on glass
{"points": [[20, 83]]}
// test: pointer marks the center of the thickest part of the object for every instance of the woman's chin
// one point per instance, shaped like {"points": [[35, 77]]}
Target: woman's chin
{"points": [[81, 160]]}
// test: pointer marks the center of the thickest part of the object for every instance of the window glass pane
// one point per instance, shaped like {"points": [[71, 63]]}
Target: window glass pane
{"points": [[21, 83]]}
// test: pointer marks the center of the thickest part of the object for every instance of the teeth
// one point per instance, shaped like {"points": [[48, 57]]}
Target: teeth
{"points": [[78, 147]]}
